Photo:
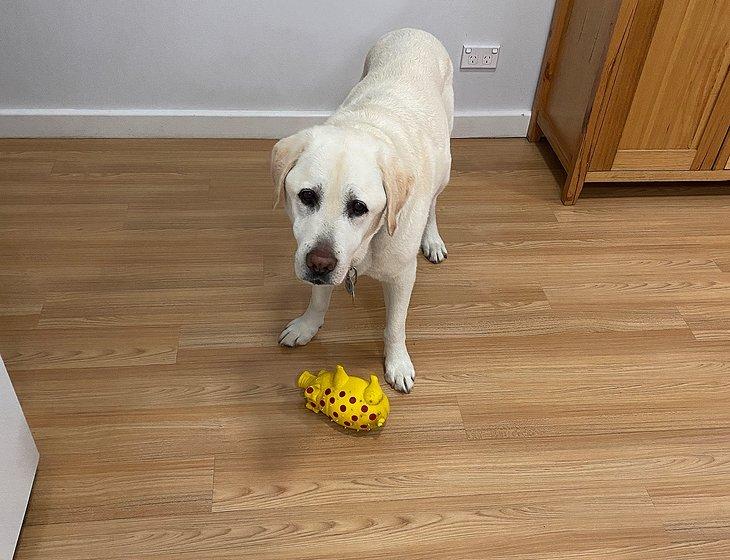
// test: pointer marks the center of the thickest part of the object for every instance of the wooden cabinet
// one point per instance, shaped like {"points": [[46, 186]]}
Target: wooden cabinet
{"points": [[636, 90]]}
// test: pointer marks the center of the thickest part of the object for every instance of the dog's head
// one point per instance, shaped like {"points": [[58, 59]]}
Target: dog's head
{"points": [[340, 187]]}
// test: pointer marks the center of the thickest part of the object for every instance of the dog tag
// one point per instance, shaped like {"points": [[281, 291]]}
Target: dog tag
{"points": [[350, 281]]}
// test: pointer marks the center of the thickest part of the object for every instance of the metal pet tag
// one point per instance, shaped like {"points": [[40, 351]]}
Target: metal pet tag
{"points": [[350, 281]]}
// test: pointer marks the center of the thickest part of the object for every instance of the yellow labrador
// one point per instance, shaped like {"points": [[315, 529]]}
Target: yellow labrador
{"points": [[361, 189]]}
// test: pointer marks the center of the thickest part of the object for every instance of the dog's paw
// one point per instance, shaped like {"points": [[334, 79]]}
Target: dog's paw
{"points": [[299, 332], [434, 248], [399, 372]]}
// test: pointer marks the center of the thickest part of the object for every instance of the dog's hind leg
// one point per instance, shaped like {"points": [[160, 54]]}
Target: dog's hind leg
{"points": [[433, 247], [302, 329]]}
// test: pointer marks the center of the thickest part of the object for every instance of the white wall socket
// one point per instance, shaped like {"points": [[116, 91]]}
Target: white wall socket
{"points": [[483, 58]]}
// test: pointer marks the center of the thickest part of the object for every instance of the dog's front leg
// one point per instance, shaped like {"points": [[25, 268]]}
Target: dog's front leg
{"points": [[399, 372], [302, 329]]}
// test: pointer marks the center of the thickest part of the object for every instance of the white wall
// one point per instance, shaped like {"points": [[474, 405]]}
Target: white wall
{"points": [[265, 55]]}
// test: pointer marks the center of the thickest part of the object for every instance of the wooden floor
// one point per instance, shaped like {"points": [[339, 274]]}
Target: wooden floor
{"points": [[572, 397]]}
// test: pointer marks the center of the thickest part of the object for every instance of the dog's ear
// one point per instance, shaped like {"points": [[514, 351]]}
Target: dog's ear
{"points": [[398, 184], [283, 157]]}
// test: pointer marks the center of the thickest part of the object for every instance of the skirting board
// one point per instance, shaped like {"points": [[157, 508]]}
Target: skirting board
{"points": [[79, 123]]}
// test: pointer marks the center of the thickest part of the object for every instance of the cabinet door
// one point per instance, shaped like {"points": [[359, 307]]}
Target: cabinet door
{"points": [[678, 92], [722, 160], [712, 152]]}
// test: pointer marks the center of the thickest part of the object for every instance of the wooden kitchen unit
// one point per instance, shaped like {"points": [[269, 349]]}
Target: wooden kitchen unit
{"points": [[636, 90]]}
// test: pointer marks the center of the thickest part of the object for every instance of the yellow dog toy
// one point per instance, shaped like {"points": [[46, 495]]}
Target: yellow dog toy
{"points": [[348, 400]]}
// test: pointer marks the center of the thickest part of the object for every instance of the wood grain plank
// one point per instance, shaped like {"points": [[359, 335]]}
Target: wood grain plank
{"points": [[577, 527], [509, 155], [472, 259], [616, 236], [649, 293], [444, 322], [700, 511], [90, 490], [680, 209], [489, 352], [12, 170], [108, 188], [495, 417], [171, 432], [248, 482], [157, 307], [111, 347], [723, 262], [99, 390], [14, 216], [707, 321]]}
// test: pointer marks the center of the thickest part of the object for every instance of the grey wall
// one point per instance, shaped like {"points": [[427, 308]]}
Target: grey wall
{"points": [[300, 55]]}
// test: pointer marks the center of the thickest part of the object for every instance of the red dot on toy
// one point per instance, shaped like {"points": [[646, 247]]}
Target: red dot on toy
{"points": [[321, 403], [372, 417], [364, 408], [342, 393], [328, 391], [334, 413], [347, 423], [354, 418], [332, 399], [343, 408], [353, 400], [310, 389]]}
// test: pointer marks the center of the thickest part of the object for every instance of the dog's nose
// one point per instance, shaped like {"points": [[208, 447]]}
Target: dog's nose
{"points": [[321, 260]]}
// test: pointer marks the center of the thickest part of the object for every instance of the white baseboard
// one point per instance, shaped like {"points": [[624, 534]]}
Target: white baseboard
{"points": [[123, 123]]}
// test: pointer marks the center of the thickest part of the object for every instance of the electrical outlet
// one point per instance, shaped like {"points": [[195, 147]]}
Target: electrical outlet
{"points": [[482, 58]]}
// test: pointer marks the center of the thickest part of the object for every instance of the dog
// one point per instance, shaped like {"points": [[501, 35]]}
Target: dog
{"points": [[361, 189]]}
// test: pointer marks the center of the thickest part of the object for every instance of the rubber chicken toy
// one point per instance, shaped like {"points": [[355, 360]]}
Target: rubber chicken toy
{"points": [[348, 400]]}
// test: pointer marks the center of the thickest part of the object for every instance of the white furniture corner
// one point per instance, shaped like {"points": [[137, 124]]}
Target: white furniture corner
{"points": [[18, 464]]}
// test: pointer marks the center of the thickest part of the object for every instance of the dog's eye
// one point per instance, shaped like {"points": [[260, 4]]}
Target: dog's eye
{"points": [[356, 208], [308, 197]]}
